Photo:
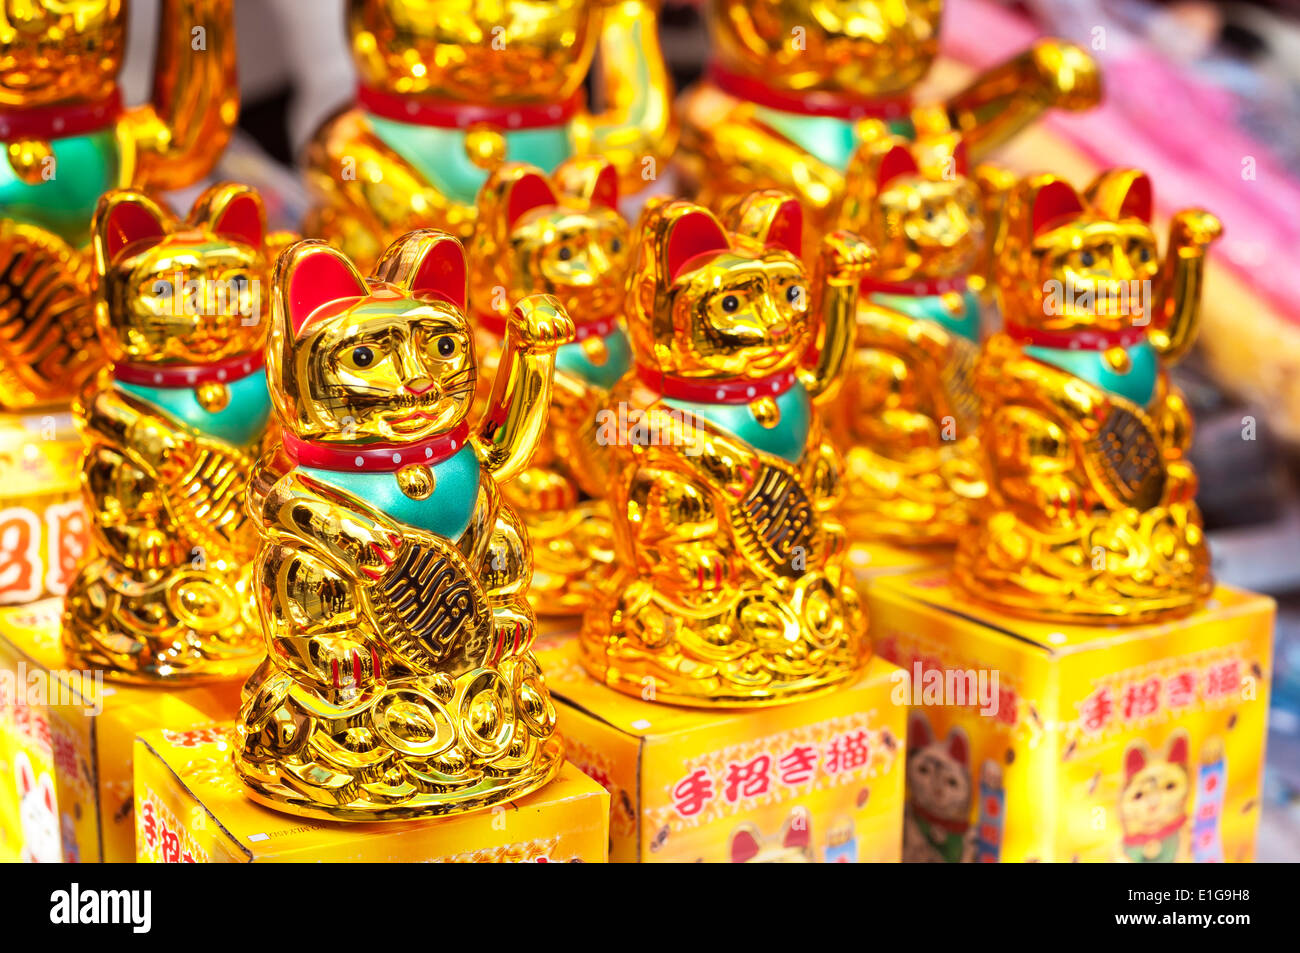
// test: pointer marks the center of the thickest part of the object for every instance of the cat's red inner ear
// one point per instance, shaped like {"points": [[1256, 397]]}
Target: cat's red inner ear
{"points": [[957, 747], [26, 780], [1138, 200], [694, 234], [744, 847], [47, 789], [241, 220], [897, 161], [442, 274], [960, 159], [129, 223], [918, 733], [1134, 761], [605, 191], [1055, 203], [786, 229], [529, 192], [1178, 751], [318, 278]]}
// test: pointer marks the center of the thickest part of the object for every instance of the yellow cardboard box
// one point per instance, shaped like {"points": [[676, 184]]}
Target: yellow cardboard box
{"points": [[190, 807], [66, 742], [1038, 742], [43, 529], [820, 780]]}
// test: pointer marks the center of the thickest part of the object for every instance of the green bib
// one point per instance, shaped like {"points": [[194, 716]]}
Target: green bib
{"points": [[573, 359], [786, 440], [84, 168], [438, 153], [828, 138], [931, 308], [240, 423], [1137, 385], [445, 512]]}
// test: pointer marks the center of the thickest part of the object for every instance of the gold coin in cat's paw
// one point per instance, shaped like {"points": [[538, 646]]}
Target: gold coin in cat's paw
{"points": [[417, 481]]}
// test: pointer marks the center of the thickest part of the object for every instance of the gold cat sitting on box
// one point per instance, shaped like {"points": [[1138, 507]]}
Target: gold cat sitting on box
{"points": [[562, 236], [172, 429], [730, 587], [907, 416], [1090, 514], [391, 577]]}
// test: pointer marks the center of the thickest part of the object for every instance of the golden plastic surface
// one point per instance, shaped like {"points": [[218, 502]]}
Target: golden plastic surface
{"points": [[730, 587], [907, 418], [1090, 514], [163, 596], [482, 68], [848, 60], [61, 62], [399, 680], [563, 236]]}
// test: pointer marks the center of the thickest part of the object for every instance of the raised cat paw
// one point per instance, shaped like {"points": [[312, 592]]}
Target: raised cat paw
{"points": [[539, 323], [846, 257], [1194, 227], [1070, 76]]}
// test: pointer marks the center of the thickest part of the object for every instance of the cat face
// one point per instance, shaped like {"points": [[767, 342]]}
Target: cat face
{"points": [[454, 48], [915, 204], [938, 772], [862, 47], [1155, 792], [57, 51], [384, 359], [37, 813], [793, 847], [707, 303], [563, 237], [180, 291], [1076, 262]]}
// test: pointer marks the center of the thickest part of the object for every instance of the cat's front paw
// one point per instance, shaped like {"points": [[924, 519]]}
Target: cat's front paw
{"points": [[1069, 76], [846, 257], [1194, 227], [539, 323]]}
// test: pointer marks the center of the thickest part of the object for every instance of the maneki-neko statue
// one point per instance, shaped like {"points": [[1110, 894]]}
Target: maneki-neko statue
{"points": [[560, 235], [1090, 514], [172, 428], [792, 80], [391, 575], [68, 139], [907, 416], [448, 91], [729, 587]]}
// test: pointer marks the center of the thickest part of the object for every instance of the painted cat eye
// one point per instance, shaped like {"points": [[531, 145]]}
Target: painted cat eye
{"points": [[794, 294], [363, 356], [446, 346], [566, 254], [616, 246], [730, 303], [1086, 259]]}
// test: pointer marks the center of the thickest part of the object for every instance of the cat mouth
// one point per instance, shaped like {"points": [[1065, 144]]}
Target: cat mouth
{"points": [[411, 417]]}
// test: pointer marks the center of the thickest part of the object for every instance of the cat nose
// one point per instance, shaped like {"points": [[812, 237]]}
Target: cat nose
{"points": [[418, 385]]}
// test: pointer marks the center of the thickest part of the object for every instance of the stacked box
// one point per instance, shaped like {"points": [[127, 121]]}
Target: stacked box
{"points": [[818, 780], [1032, 741], [191, 808]]}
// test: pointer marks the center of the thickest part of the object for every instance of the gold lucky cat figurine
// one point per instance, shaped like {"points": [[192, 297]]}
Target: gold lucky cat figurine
{"points": [[791, 81], [67, 140], [171, 430], [391, 578], [561, 236], [730, 587], [447, 94], [907, 415], [1090, 514]]}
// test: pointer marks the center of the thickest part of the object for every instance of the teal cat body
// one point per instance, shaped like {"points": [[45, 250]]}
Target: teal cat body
{"points": [[240, 423], [83, 168], [573, 359], [965, 324], [446, 512], [786, 440], [1138, 384], [829, 138]]}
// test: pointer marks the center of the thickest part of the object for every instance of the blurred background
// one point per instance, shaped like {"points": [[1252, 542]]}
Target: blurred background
{"points": [[1205, 96]]}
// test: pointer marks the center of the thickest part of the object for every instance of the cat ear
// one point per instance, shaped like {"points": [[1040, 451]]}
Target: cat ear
{"points": [[1135, 759], [232, 211], [589, 178], [126, 219], [879, 157], [958, 746], [311, 274], [798, 831], [771, 217], [1122, 193], [897, 161], [47, 792], [427, 264], [686, 231], [744, 845], [1178, 751], [1054, 202], [527, 192], [918, 733]]}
